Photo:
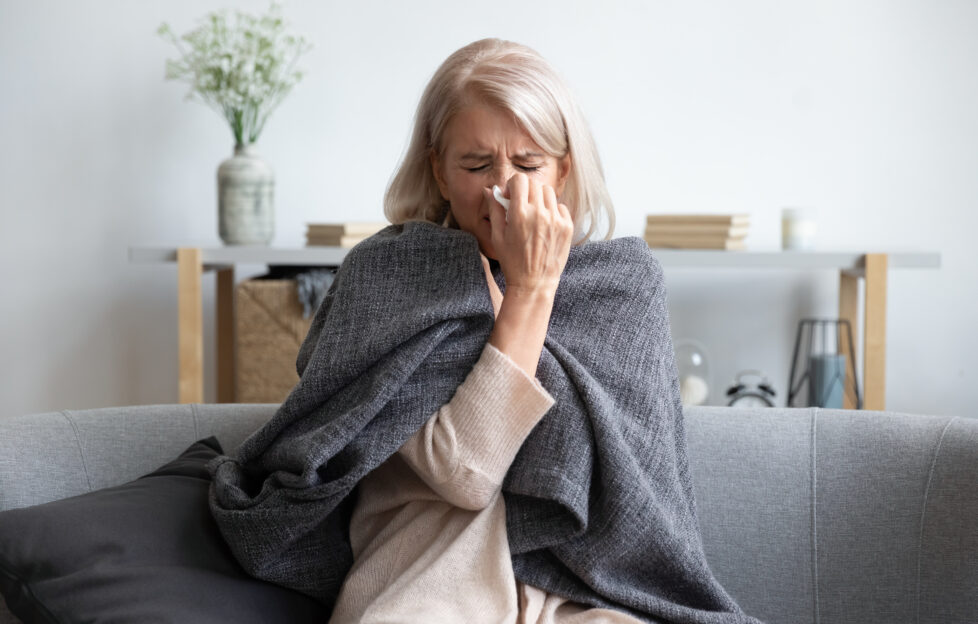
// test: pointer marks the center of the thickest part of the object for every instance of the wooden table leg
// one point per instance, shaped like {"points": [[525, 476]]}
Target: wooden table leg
{"points": [[190, 326], [225, 335], [849, 311], [874, 345]]}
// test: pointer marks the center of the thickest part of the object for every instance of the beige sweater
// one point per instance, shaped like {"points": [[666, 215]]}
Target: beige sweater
{"points": [[429, 528]]}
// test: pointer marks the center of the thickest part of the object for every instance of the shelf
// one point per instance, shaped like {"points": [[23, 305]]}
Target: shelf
{"points": [[246, 254], [802, 260], [670, 258], [853, 267]]}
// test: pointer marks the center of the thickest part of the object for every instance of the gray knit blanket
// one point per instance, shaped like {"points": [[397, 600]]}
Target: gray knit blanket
{"points": [[599, 504]]}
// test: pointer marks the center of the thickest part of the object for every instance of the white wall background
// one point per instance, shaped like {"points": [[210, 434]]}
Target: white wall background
{"points": [[865, 109]]}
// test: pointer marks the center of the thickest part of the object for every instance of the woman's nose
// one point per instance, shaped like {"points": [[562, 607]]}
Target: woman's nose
{"points": [[501, 175]]}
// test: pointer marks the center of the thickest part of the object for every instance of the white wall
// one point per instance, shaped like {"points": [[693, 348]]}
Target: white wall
{"points": [[866, 110]]}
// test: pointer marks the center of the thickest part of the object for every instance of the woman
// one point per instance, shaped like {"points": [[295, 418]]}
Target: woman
{"points": [[525, 467], [428, 532]]}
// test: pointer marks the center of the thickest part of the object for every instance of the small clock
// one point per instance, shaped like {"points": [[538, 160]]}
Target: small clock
{"points": [[751, 389]]}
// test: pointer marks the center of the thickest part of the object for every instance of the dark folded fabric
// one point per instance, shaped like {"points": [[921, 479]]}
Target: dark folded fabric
{"points": [[144, 551], [599, 501], [311, 283]]}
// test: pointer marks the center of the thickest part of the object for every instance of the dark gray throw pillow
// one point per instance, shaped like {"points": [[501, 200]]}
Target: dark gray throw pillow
{"points": [[145, 551]]}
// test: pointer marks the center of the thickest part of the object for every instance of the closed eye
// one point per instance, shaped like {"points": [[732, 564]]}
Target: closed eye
{"points": [[483, 167]]}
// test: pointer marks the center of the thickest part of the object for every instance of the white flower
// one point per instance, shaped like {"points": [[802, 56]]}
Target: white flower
{"points": [[243, 67]]}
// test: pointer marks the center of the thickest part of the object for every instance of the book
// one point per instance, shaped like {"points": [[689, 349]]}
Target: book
{"points": [[334, 241], [699, 219], [708, 242], [707, 229], [350, 228]]}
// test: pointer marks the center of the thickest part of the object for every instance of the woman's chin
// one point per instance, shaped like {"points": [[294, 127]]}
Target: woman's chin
{"points": [[484, 236]]}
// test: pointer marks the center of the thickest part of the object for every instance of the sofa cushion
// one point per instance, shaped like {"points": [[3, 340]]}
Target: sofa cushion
{"points": [[144, 551]]}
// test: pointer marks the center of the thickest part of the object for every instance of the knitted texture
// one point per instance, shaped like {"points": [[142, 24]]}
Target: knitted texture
{"points": [[599, 501]]}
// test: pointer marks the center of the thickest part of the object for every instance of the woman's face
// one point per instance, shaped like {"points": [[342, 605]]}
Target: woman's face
{"points": [[484, 146]]}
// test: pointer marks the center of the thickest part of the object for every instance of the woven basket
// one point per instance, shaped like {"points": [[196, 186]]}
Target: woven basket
{"points": [[269, 329]]}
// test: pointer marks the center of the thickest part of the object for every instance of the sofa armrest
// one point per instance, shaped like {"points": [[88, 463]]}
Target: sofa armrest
{"points": [[839, 516], [45, 457]]}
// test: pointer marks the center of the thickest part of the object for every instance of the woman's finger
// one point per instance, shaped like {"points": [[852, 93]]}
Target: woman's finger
{"points": [[567, 221], [518, 187], [550, 198], [564, 211], [536, 197]]}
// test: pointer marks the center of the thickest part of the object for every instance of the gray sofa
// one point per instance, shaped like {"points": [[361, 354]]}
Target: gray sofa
{"points": [[807, 515]]}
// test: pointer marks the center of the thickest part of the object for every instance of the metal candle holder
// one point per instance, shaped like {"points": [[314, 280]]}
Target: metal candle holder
{"points": [[815, 364]]}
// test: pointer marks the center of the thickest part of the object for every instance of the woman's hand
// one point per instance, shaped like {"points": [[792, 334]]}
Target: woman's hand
{"points": [[532, 240], [532, 243]]}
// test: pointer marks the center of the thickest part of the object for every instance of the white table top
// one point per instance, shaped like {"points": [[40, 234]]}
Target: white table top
{"points": [[670, 258]]}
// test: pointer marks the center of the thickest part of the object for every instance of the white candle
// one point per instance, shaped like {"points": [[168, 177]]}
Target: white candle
{"points": [[798, 228]]}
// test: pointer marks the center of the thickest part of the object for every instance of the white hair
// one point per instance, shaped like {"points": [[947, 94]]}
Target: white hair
{"points": [[515, 78]]}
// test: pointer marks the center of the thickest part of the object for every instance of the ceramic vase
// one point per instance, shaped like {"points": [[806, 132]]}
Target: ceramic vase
{"points": [[245, 190]]}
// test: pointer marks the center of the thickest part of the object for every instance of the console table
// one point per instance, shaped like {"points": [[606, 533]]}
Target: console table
{"points": [[193, 262]]}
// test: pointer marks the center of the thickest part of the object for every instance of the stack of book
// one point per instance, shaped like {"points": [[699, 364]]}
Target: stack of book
{"points": [[340, 234], [697, 231]]}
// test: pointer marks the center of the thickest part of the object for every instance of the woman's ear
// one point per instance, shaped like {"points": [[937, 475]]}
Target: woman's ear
{"points": [[437, 172], [563, 172]]}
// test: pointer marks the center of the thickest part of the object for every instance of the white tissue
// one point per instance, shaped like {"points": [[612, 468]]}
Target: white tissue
{"points": [[498, 194]]}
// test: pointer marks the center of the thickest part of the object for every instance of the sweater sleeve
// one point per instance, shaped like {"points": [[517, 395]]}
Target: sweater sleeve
{"points": [[465, 449]]}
